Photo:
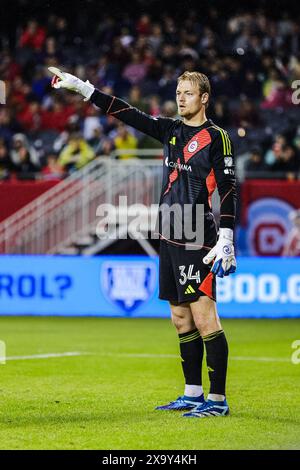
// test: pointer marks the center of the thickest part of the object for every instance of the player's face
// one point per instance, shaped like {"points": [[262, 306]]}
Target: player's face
{"points": [[188, 99]]}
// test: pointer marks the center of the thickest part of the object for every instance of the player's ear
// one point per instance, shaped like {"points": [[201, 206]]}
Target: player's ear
{"points": [[204, 98]]}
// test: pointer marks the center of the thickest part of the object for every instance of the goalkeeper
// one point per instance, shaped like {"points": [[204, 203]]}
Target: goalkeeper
{"points": [[198, 157]]}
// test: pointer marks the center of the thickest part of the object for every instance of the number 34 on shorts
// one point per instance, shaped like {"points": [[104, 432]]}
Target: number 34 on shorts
{"points": [[186, 274]]}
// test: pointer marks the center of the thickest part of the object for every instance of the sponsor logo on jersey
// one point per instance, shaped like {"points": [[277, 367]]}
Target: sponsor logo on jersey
{"points": [[229, 171], [193, 146], [178, 166]]}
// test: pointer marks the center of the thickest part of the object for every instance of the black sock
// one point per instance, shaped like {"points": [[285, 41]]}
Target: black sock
{"points": [[216, 358], [191, 350]]}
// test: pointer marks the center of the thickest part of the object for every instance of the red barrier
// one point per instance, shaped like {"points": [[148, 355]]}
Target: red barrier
{"points": [[266, 209], [253, 190], [15, 194]]}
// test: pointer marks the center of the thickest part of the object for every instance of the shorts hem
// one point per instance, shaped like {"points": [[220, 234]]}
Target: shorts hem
{"points": [[193, 298]]}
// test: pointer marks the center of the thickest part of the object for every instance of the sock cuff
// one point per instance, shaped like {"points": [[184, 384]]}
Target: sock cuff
{"points": [[213, 335], [189, 336]]}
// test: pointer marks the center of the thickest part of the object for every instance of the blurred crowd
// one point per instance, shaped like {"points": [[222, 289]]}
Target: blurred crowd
{"points": [[252, 59]]}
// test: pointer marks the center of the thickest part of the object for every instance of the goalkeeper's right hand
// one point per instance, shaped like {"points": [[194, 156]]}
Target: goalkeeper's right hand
{"points": [[70, 82]]}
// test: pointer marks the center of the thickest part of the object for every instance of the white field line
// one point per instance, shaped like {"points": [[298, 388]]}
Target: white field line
{"points": [[234, 358], [135, 355], [261, 359], [43, 356]]}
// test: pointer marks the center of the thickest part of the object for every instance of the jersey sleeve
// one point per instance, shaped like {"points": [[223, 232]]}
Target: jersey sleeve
{"points": [[222, 160], [156, 127]]}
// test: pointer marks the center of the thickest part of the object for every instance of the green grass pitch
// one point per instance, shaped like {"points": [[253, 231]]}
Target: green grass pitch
{"points": [[106, 399]]}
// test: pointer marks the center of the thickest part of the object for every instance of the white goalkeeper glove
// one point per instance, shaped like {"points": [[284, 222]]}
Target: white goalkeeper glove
{"points": [[70, 82], [222, 254]]}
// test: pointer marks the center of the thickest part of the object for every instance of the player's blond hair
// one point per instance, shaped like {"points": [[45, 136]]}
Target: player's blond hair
{"points": [[198, 79]]}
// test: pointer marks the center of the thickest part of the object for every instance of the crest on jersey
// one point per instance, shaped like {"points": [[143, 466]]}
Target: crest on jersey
{"points": [[193, 146], [128, 284]]}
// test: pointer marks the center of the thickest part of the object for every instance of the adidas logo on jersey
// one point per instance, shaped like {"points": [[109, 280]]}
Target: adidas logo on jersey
{"points": [[189, 290]]}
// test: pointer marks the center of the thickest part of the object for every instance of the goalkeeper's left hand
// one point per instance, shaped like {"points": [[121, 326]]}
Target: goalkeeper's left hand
{"points": [[70, 82], [222, 254]]}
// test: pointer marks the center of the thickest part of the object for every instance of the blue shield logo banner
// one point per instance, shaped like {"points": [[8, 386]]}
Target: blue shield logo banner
{"points": [[128, 283]]}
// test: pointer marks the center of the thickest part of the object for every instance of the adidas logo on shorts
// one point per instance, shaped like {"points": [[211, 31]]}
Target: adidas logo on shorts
{"points": [[189, 290]]}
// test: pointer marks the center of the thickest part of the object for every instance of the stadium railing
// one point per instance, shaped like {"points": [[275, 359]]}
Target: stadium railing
{"points": [[68, 210]]}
